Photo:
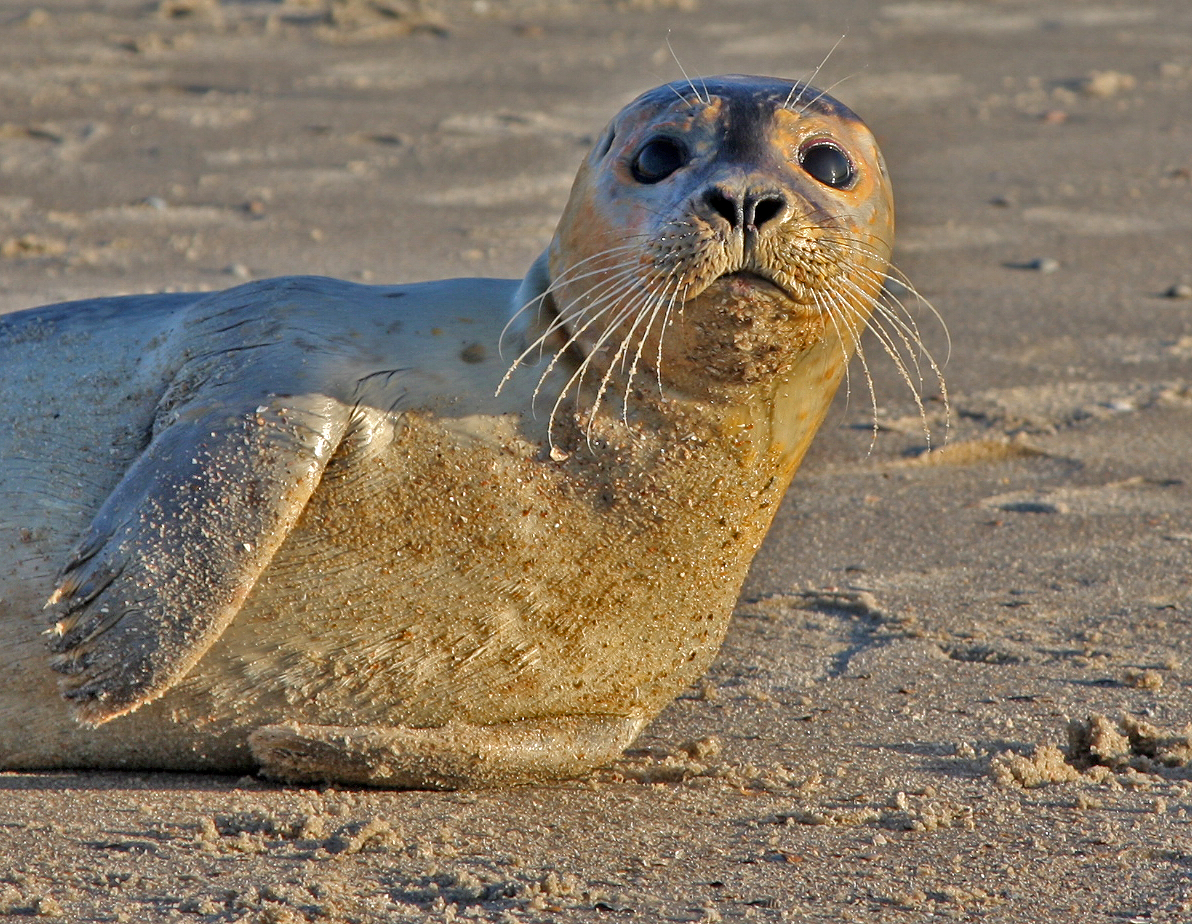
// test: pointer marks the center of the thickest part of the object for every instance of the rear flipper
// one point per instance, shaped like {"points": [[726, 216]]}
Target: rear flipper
{"points": [[455, 756]]}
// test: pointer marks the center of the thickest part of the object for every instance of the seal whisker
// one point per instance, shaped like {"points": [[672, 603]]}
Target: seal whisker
{"points": [[567, 277], [894, 274], [681, 296], [853, 323], [571, 274], [882, 310], [575, 381], [893, 308], [634, 308], [900, 348], [623, 282], [560, 319], [625, 357], [657, 278], [890, 331], [682, 98], [910, 338], [706, 99], [805, 83], [850, 240], [827, 308], [660, 301], [572, 309], [822, 93], [585, 302], [884, 338], [907, 333], [615, 287], [860, 354], [898, 313], [849, 321]]}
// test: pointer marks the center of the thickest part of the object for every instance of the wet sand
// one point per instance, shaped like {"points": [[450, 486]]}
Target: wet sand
{"points": [[957, 685]]}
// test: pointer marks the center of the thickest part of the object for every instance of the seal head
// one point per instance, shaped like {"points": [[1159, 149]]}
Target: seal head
{"points": [[717, 229]]}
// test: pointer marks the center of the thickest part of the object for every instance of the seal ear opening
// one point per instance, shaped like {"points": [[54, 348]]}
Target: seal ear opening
{"points": [[535, 284], [530, 303], [604, 143]]}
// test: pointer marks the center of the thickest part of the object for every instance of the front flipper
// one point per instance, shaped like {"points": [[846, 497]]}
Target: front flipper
{"points": [[176, 548], [455, 756]]}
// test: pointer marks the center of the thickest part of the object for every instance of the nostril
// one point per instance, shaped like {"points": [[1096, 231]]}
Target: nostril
{"points": [[723, 206], [746, 211], [767, 209]]}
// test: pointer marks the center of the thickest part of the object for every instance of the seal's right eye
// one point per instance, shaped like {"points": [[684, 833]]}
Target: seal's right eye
{"points": [[658, 159]]}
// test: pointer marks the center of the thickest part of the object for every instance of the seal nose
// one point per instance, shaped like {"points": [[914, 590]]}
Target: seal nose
{"points": [[750, 210]]}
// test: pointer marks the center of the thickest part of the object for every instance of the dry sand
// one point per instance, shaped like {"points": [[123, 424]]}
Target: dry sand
{"points": [[886, 735]]}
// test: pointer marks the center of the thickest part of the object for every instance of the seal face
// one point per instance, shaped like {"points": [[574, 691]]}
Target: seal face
{"points": [[757, 209], [322, 528]]}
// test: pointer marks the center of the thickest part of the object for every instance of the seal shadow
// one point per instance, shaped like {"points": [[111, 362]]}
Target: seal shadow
{"points": [[125, 781]]}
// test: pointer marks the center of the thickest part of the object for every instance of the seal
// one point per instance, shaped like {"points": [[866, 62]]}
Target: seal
{"points": [[457, 533]]}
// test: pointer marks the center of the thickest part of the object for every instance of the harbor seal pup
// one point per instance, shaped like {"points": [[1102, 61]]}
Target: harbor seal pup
{"points": [[455, 533]]}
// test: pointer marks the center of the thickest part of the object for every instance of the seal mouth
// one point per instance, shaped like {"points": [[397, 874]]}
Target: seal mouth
{"points": [[751, 284]]}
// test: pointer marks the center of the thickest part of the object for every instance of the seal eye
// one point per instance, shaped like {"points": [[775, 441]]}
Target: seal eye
{"points": [[828, 164], [658, 159]]}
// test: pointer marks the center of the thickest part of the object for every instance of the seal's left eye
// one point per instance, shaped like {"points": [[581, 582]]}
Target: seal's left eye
{"points": [[658, 159], [827, 163]]}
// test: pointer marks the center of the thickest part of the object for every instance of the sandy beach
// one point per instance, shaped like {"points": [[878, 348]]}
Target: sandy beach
{"points": [[957, 684]]}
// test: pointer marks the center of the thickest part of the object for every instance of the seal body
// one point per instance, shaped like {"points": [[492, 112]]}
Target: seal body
{"points": [[454, 533]]}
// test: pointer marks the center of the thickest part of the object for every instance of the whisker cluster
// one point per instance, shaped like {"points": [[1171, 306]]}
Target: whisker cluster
{"points": [[623, 290], [894, 326], [792, 99]]}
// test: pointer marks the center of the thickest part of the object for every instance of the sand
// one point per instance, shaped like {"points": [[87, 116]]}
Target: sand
{"points": [[957, 685]]}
